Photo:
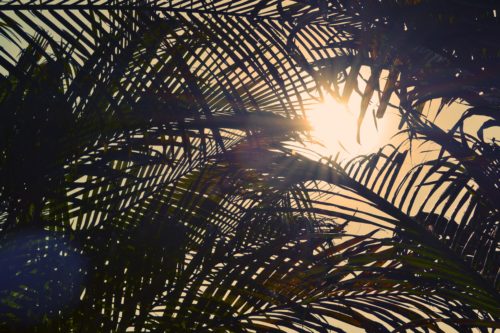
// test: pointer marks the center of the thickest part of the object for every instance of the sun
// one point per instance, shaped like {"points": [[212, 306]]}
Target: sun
{"points": [[334, 128]]}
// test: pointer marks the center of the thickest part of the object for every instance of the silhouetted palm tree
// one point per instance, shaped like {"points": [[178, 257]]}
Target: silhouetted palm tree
{"points": [[150, 180]]}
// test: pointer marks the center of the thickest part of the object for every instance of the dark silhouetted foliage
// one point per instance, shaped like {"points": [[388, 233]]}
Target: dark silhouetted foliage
{"points": [[150, 179]]}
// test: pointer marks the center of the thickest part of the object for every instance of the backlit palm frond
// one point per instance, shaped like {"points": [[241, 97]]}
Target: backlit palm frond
{"points": [[246, 270], [430, 260], [176, 70], [444, 198], [422, 264], [470, 151], [423, 50], [244, 257]]}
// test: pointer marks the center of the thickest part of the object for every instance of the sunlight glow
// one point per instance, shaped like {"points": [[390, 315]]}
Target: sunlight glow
{"points": [[333, 125], [334, 128]]}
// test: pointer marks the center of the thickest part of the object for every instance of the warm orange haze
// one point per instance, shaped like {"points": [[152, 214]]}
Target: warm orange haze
{"points": [[249, 166]]}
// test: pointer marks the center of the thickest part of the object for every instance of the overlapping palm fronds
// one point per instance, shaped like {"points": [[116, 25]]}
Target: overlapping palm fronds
{"points": [[145, 185]]}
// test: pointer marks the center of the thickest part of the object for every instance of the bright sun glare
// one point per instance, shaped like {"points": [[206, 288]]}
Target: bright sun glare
{"points": [[334, 126]]}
